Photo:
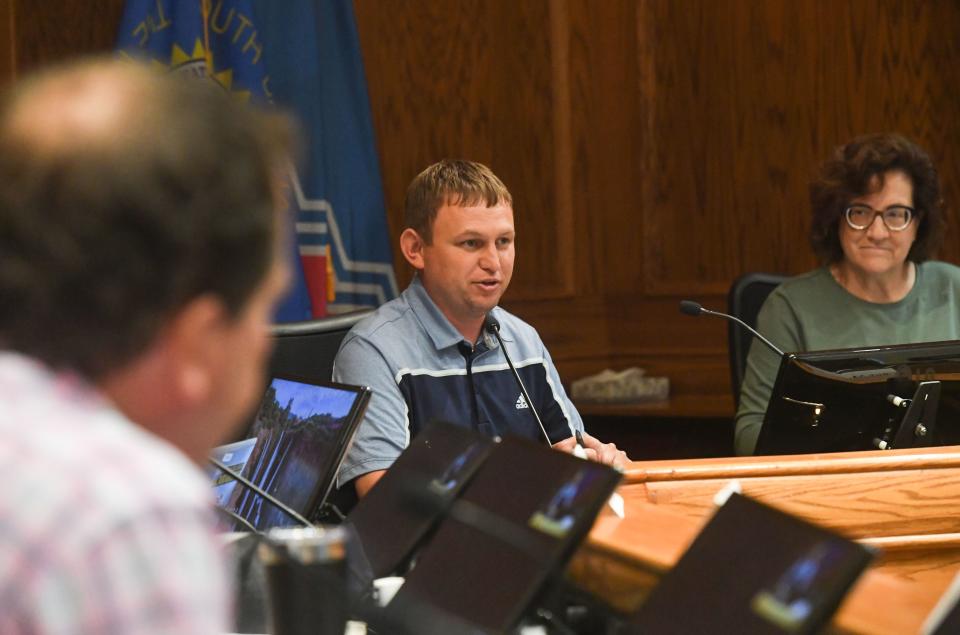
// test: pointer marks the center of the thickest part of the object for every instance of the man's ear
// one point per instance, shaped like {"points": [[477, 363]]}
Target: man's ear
{"points": [[197, 349], [174, 378], [412, 244]]}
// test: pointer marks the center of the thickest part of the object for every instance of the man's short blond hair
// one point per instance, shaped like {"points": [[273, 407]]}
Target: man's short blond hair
{"points": [[451, 182]]}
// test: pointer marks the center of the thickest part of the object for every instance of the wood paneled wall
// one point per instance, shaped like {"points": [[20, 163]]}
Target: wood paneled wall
{"points": [[33, 33], [655, 149]]}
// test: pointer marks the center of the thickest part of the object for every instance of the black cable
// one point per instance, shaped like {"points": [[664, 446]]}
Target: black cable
{"points": [[237, 517], [493, 327], [330, 507], [559, 626], [256, 488]]}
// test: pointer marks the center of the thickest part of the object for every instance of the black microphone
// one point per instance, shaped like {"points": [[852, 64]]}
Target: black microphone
{"points": [[689, 307], [253, 486], [492, 326]]}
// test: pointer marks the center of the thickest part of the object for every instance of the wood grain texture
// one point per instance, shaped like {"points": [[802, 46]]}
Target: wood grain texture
{"points": [[8, 60], [751, 97], [474, 80], [849, 503], [942, 458], [56, 30], [894, 494]]}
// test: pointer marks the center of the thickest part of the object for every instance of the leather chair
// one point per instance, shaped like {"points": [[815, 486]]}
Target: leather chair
{"points": [[307, 349], [747, 294]]}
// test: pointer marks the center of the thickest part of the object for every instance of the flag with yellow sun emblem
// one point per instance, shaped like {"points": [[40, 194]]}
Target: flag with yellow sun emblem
{"points": [[303, 54]]}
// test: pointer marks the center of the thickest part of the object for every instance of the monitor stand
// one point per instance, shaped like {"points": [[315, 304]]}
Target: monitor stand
{"points": [[919, 421]]}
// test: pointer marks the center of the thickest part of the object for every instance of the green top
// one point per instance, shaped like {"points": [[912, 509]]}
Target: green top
{"points": [[812, 312]]}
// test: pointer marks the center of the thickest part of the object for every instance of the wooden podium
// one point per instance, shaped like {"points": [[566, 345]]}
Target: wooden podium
{"points": [[904, 502]]}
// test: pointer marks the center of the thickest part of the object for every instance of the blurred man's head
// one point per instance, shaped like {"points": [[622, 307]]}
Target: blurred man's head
{"points": [[139, 242]]}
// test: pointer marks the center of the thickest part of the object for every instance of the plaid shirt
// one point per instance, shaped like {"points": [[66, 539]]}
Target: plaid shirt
{"points": [[104, 528]]}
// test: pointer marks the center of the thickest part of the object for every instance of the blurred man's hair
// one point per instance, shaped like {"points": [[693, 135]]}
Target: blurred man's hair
{"points": [[124, 195]]}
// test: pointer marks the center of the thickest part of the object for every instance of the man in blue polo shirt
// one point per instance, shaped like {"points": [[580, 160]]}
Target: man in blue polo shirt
{"points": [[428, 355]]}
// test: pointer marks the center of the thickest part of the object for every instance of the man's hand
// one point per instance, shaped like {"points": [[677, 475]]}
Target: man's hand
{"points": [[596, 450]]}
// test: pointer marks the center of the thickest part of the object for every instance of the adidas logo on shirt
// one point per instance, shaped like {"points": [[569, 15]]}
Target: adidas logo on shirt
{"points": [[521, 402]]}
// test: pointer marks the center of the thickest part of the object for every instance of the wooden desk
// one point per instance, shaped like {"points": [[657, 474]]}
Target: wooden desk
{"points": [[906, 502]]}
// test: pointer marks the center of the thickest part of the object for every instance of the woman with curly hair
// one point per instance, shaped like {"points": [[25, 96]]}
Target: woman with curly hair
{"points": [[877, 220]]}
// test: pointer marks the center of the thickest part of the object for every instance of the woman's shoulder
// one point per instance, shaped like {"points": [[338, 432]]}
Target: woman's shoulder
{"points": [[810, 284], [939, 270]]}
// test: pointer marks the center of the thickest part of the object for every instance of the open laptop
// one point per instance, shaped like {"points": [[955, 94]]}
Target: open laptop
{"points": [[512, 530], [754, 569], [402, 509], [298, 440]]}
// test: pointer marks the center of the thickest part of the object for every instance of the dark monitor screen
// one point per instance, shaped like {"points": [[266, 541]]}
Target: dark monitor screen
{"points": [[299, 438], [754, 569], [512, 528], [836, 401], [392, 520], [944, 619]]}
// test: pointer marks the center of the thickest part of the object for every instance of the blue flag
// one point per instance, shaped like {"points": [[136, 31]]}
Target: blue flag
{"points": [[305, 56]]}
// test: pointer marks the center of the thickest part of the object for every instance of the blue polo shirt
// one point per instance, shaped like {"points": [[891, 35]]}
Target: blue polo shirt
{"points": [[421, 369]]}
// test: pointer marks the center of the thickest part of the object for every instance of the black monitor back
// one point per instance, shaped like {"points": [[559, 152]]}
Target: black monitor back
{"points": [[307, 349], [510, 532], [401, 511], [836, 401]]}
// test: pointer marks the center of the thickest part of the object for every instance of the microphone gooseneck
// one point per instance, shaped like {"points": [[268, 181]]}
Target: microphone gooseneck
{"points": [[492, 326], [689, 307], [256, 488]]}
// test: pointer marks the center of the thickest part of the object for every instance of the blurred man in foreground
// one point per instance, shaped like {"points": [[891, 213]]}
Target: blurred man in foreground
{"points": [[139, 265]]}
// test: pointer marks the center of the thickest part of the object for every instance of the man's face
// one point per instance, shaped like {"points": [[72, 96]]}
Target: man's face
{"points": [[468, 265]]}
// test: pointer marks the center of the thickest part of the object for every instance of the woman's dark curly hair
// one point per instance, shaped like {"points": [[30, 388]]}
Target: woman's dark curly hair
{"points": [[848, 175]]}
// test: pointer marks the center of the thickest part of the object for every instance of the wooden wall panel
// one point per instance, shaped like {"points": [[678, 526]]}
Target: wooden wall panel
{"points": [[474, 80], [794, 92], [7, 58], [54, 30], [606, 147], [751, 96]]}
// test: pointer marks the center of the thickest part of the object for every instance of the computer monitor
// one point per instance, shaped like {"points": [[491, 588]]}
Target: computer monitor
{"points": [[511, 531], [298, 440], [842, 400]]}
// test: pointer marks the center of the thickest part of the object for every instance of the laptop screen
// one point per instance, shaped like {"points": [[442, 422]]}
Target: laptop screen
{"points": [[514, 526], [397, 515], [754, 569], [299, 438]]}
